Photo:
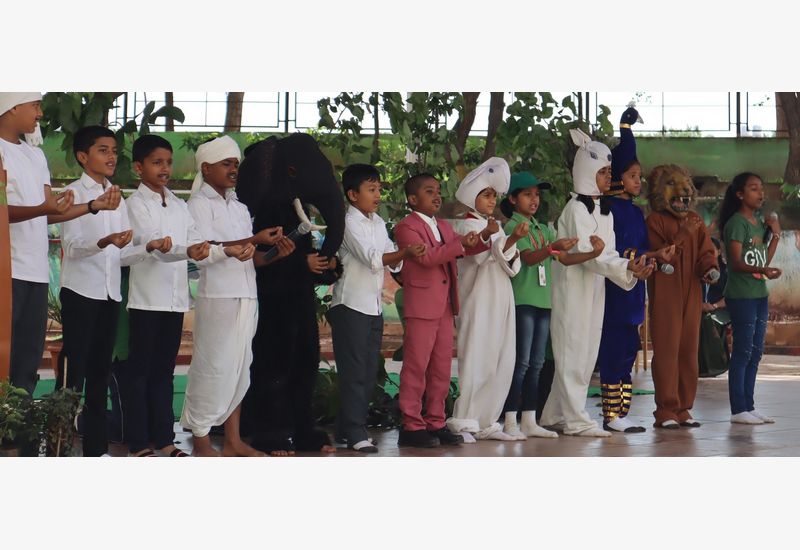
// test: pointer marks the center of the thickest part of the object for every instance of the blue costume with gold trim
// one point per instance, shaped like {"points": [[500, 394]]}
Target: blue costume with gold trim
{"points": [[624, 310]]}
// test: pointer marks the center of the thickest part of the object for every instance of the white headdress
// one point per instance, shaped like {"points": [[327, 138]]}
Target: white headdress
{"points": [[493, 173], [9, 100], [590, 158], [212, 152]]}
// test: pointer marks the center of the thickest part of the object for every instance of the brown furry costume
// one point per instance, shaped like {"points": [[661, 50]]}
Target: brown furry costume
{"points": [[675, 299]]}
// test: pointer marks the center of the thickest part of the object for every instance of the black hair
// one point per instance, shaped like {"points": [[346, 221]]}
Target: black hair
{"points": [[506, 207], [88, 136], [628, 166], [415, 182], [146, 144], [732, 203], [356, 174]]}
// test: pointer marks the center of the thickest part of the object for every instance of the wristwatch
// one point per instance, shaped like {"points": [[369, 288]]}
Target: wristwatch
{"points": [[89, 206]]}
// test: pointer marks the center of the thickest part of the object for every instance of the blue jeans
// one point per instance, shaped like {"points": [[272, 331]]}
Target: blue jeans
{"points": [[749, 321], [533, 328]]}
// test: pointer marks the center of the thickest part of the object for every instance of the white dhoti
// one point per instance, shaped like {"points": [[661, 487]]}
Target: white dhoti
{"points": [[220, 371], [486, 334]]}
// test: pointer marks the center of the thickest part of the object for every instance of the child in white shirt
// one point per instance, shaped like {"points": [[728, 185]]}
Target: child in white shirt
{"points": [[356, 313], [158, 298]]}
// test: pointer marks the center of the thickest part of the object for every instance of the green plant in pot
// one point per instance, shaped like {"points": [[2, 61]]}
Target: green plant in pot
{"points": [[20, 420], [59, 410]]}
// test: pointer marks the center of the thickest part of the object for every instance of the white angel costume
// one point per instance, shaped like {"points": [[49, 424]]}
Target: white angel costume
{"points": [[486, 322], [579, 294]]}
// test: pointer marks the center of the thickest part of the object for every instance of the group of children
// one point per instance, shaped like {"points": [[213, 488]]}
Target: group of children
{"points": [[500, 286]]}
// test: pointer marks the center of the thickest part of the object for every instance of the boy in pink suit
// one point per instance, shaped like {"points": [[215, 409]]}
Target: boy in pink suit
{"points": [[430, 302]]}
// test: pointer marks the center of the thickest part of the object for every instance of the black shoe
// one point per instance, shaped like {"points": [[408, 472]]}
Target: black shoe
{"points": [[446, 437], [417, 438]]}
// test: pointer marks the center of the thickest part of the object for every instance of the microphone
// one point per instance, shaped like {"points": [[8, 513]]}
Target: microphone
{"points": [[713, 275], [768, 230], [303, 229], [666, 269]]}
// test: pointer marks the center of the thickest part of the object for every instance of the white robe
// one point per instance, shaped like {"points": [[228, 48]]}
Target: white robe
{"points": [[486, 333], [577, 317], [220, 371]]}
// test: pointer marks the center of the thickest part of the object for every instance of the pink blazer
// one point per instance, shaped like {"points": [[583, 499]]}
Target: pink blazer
{"points": [[429, 279]]}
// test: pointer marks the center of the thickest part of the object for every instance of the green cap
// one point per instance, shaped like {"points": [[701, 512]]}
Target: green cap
{"points": [[523, 180]]}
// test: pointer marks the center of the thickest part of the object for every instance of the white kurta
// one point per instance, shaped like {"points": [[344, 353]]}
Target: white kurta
{"points": [[486, 334], [577, 317]]}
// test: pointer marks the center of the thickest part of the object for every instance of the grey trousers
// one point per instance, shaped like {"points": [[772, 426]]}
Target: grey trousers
{"points": [[356, 348], [28, 329]]}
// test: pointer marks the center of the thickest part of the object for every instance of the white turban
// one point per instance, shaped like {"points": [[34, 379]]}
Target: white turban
{"points": [[212, 152], [590, 158], [9, 100], [493, 173]]}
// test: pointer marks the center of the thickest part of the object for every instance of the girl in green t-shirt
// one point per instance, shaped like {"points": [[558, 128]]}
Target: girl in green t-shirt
{"points": [[744, 234], [532, 302]]}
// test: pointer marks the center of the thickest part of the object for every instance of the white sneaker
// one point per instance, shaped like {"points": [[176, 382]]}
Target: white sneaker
{"points": [[468, 437], [745, 418], [763, 418]]}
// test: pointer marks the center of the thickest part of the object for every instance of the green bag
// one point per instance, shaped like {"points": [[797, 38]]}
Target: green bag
{"points": [[713, 352]]}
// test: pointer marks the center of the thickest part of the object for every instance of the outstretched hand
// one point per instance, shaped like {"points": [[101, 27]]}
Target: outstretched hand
{"points": [[242, 252], [598, 245], [641, 268], [663, 255], [469, 240], [57, 204], [199, 251], [268, 236], [117, 239], [109, 200], [162, 245]]}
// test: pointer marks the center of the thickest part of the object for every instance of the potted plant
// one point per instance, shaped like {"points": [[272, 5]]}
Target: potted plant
{"points": [[59, 410], [20, 421]]}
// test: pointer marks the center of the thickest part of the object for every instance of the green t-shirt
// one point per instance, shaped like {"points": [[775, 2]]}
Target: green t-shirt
{"points": [[754, 253], [527, 290]]}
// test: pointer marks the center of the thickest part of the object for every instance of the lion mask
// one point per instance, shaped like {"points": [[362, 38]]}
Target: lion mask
{"points": [[671, 190]]}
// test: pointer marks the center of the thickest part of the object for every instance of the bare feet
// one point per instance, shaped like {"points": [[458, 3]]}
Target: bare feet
{"points": [[239, 448], [201, 446], [281, 453]]}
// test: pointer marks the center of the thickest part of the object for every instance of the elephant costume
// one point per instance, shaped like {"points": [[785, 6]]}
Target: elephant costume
{"points": [[277, 411]]}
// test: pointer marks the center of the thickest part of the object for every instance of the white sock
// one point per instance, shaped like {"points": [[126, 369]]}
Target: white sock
{"points": [[468, 437], [745, 418], [530, 428], [511, 428], [361, 444], [765, 419], [501, 436], [594, 432], [620, 424]]}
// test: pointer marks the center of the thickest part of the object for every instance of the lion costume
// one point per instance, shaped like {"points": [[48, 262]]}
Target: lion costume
{"points": [[675, 299]]}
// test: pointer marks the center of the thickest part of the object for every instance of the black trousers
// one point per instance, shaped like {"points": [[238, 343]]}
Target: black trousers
{"points": [[89, 328], [146, 381], [28, 329], [357, 350]]}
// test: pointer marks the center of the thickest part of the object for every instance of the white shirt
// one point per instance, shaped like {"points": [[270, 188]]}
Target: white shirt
{"points": [[222, 219], [431, 221], [27, 171], [87, 269], [365, 242], [161, 282]]}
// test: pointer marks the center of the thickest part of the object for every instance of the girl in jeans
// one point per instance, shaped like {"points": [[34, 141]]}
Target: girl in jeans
{"points": [[532, 299], [750, 249]]}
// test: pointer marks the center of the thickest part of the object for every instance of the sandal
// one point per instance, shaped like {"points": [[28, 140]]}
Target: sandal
{"points": [[176, 452], [147, 453]]}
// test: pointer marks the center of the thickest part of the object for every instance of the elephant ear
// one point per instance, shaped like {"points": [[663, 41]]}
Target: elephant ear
{"points": [[255, 173]]}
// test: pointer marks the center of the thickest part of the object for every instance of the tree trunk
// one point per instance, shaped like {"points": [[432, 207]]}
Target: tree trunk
{"points": [[790, 103], [169, 100], [233, 115], [781, 128], [496, 108], [462, 127]]}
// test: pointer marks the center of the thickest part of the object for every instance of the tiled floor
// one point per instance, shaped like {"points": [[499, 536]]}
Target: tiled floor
{"points": [[777, 392]]}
